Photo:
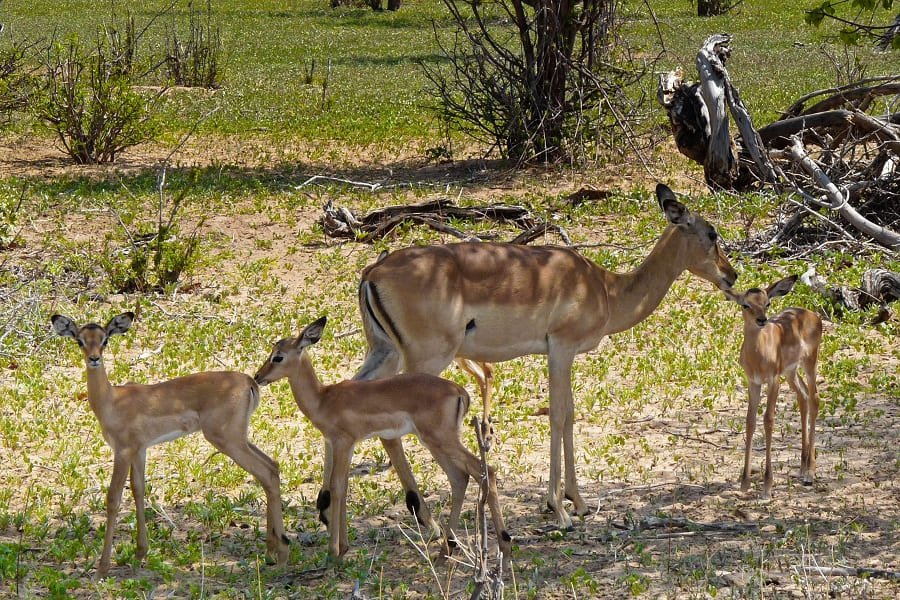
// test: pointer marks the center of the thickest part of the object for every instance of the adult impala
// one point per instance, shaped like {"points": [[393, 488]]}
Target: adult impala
{"points": [[348, 412], [422, 307], [134, 417], [773, 347]]}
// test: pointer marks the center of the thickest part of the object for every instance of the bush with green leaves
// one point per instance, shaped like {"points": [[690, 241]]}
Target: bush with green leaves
{"points": [[90, 102], [157, 256]]}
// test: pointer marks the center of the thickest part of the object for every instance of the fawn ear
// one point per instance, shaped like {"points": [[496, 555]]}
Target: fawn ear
{"points": [[312, 333], [780, 288], [120, 323], [676, 212], [64, 326]]}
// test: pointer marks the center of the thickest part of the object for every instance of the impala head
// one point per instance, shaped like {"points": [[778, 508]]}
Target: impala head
{"points": [[92, 338], [707, 259], [287, 352], [755, 301]]}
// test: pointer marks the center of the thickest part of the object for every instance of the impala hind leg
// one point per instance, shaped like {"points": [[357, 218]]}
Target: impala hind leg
{"points": [[488, 485], [796, 383], [769, 426], [812, 416], [414, 500], [483, 373], [266, 472]]}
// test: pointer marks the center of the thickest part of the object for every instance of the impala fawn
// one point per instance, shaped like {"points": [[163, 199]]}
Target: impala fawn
{"points": [[134, 417], [350, 411], [774, 347]]}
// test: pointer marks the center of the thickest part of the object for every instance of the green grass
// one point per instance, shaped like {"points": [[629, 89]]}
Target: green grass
{"points": [[377, 94]]}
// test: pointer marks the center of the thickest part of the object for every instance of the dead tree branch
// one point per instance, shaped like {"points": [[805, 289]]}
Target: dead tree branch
{"points": [[832, 153], [339, 222]]}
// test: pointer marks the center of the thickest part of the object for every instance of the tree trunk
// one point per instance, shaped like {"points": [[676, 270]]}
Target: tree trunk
{"points": [[393, 4], [711, 8]]}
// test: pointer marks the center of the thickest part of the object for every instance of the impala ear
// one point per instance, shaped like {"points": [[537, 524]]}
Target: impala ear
{"points": [[676, 212], [780, 288], [64, 326], [312, 333], [120, 323], [733, 296]]}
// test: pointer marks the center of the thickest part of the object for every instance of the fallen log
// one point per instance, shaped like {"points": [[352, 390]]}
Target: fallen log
{"points": [[340, 222]]}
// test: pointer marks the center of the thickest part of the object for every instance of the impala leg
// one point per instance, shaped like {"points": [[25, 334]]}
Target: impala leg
{"points": [[138, 486], [755, 391], [338, 542], [484, 376], [414, 501], [561, 410], [265, 471], [323, 500], [121, 463], [769, 424], [454, 465], [812, 415], [796, 383], [474, 467]]}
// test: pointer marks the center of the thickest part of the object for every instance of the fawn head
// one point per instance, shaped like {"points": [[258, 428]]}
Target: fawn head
{"points": [[755, 301], [92, 338], [287, 352]]}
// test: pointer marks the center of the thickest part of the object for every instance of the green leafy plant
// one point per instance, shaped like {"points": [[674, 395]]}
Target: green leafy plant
{"points": [[90, 103], [862, 19], [197, 60], [157, 255]]}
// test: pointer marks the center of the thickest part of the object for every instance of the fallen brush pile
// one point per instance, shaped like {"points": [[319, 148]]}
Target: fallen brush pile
{"points": [[835, 153]]}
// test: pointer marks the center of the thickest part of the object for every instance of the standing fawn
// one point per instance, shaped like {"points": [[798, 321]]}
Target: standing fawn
{"points": [[134, 417], [774, 347], [350, 411]]}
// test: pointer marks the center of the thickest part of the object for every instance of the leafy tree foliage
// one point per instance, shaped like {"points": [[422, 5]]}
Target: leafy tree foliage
{"points": [[860, 19]]}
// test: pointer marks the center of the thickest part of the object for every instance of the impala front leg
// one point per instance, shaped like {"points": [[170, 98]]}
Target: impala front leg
{"points": [[560, 406], [138, 485], [337, 527], [121, 462], [755, 391]]}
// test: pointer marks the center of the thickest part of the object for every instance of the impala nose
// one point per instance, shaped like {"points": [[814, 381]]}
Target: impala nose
{"points": [[761, 321]]}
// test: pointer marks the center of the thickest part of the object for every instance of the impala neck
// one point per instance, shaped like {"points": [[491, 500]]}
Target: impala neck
{"points": [[99, 389], [306, 387], [634, 295]]}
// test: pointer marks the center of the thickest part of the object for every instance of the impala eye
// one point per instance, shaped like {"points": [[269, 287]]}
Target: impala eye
{"points": [[277, 359], [80, 343], [713, 236]]}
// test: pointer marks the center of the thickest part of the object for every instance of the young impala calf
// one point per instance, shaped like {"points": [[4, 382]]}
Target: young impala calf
{"points": [[350, 411], [774, 347], [134, 417]]}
